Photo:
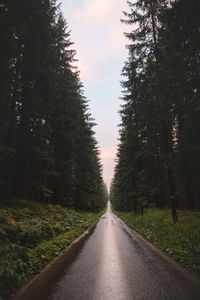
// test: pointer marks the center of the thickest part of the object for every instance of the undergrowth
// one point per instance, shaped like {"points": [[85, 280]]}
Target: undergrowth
{"points": [[180, 241], [31, 235]]}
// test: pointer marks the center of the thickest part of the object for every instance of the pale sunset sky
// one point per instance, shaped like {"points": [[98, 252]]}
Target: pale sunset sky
{"points": [[98, 38]]}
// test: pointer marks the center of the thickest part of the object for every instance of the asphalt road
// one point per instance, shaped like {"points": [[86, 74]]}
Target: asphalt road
{"points": [[115, 263]]}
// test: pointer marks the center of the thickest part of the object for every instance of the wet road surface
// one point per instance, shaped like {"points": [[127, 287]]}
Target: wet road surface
{"points": [[115, 263]]}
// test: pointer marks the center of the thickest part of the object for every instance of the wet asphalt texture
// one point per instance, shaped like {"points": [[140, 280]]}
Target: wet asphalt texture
{"points": [[115, 263]]}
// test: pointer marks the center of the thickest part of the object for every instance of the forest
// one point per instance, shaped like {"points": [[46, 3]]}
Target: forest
{"points": [[48, 152], [158, 158], [51, 174], [51, 184]]}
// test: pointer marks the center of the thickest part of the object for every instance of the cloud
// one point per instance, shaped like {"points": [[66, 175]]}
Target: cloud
{"points": [[108, 152], [97, 32], [108, 155], [99, 10], [101, 37]]}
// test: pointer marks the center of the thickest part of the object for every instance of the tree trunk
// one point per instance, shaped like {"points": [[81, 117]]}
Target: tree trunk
{"points": [[169, 173]]}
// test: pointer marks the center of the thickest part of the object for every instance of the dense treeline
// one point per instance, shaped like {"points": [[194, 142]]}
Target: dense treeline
{"points": [[159, 152], [47, 147]]}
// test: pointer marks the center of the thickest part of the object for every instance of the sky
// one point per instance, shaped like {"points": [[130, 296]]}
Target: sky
{"points": [[98, 38]]}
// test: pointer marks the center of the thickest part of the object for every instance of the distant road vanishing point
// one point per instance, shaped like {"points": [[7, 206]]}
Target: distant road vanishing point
{"points": [[116, 263]]}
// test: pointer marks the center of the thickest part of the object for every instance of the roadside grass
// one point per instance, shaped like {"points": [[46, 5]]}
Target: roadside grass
{"points": [[181, 241], [31, 235]]}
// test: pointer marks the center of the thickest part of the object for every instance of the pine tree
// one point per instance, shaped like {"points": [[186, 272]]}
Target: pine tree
{"points": [[48, 150], [180, 38], [161, 108]]}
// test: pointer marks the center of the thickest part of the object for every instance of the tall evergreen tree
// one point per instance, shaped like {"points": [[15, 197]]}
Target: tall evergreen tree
{"points": [[48, 150], [154, 160]]}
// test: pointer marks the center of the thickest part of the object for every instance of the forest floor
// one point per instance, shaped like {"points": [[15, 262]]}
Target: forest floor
{"points": [[31, 235], [181, 241]]}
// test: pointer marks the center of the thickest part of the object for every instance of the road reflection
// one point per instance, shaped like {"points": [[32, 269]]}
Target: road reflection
{"points": [[112, 281], [114, 263]]}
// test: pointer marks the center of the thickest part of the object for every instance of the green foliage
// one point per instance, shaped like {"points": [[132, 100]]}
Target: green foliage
{"points": [[48, 152], [181, 241], [31, 235], [158, 155]]}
